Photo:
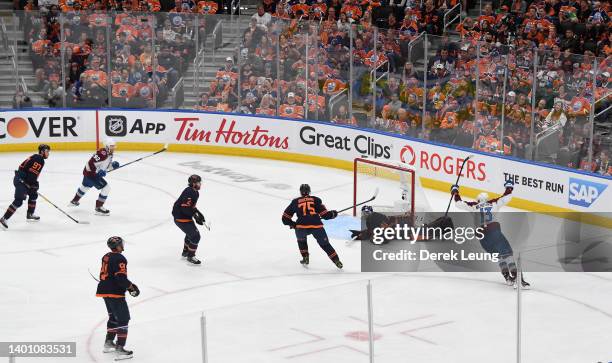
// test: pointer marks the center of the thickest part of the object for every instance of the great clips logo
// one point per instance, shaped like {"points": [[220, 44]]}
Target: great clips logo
{"points": [[446, 164], [53, 126], [584, 192], [363, 144], [228, 133]]}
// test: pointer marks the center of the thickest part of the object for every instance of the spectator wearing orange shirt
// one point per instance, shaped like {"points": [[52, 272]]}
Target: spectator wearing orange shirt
{"points": [[95, 75], [290, 108]]}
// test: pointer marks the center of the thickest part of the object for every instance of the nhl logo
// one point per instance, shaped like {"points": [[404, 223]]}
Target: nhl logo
{"points": [[116, 125]]}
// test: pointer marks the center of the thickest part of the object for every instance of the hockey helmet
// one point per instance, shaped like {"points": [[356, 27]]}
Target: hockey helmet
{"points": [[482, 197], [110, 143], [367, 209], [114, 242], [194, 179], [305, 189], [43, 147]]}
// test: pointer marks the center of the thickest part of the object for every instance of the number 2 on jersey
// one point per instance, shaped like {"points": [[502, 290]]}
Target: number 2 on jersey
{"points": [[307, 207]]}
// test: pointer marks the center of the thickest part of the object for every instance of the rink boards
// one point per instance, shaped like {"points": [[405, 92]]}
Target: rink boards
{"points": [[539, 187]]}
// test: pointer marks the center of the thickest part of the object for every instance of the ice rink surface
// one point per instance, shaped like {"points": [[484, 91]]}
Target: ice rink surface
{"points": [[261, 305]]}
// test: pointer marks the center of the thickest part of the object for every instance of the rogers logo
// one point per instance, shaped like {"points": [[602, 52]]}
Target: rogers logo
{"points": [[228, 134], [449, 165], [412, 157]]}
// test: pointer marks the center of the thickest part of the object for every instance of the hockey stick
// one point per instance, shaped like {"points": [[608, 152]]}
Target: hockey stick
{"points": [[56, 207], [361, 203], [92, 276], [144, 157], [204, 223], [457, 182], [60, 209]]}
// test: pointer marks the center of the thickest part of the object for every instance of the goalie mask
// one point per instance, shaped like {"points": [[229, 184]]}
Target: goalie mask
{"points": [[366, 209]]}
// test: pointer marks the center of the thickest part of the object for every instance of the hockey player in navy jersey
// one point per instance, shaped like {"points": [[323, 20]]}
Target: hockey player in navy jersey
{"points": [[93, 176], [26, 185], [493, 240], [112, 286], [185, 212], [309, 210]]}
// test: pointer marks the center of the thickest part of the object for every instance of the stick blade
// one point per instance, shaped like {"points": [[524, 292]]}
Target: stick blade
{"points": [[375, 194], [166, 146], [83, 222]]}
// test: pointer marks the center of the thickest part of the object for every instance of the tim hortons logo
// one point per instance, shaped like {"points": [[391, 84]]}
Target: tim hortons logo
{"points": [[227, 134]]}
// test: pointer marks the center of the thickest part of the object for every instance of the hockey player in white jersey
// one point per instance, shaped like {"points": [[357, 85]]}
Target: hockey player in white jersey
{"points": [[93, 176], [493, 240]]}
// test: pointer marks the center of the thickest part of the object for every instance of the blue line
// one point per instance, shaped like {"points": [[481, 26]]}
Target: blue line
{"points": [[385, 133]]}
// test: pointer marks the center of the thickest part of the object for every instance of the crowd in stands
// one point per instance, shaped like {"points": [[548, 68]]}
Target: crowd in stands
{"points": [[114, 53], [520, 72]]}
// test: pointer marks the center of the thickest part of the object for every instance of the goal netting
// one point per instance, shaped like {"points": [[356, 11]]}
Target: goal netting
{"points": [[395, 184]]}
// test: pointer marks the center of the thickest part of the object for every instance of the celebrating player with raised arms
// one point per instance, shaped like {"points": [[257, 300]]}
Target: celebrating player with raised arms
{"points": [[112, 286], [185, 212], [26, 185], [309, 210], [93, 176], [493, 240]]}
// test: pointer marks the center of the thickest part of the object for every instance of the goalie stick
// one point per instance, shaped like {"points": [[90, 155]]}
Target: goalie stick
{"points": [[144, 157], [361, 203]]}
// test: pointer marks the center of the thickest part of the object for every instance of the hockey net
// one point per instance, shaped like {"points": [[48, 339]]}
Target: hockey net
{"points": [[395, 184]]}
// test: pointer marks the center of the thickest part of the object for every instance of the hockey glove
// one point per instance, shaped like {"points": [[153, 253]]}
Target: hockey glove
{"points": [[134, 291], [115, 164], [33, 187], [509, 184], [355, 234], [454, 189], [101, 173], [198, 217], [333, 214]]}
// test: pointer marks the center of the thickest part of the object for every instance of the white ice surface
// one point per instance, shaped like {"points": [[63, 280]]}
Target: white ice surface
{"points": [[261, 305]]}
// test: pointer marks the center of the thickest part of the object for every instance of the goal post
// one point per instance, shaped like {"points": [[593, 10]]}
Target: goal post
{"points": [[396, 185]]}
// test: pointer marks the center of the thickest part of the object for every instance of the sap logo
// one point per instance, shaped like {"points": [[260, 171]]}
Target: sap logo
{"points": [[584, 192]]}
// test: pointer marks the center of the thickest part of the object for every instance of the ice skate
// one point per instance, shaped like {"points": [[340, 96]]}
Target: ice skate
{"points": [[31, 217], [101, 211], [109, 346], [193, 260], [121, 353]]}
